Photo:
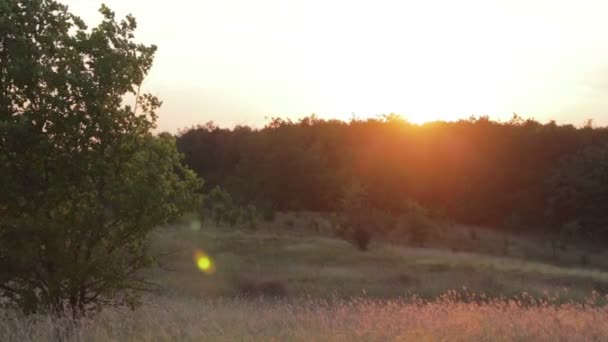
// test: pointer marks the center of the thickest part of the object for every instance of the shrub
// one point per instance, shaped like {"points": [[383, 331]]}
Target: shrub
{"points": [[584, 260], [250, 216], [234, 216], [420, 228], [218, 206], [337, 227], [356, 219], [268, 212], [361, 238]]}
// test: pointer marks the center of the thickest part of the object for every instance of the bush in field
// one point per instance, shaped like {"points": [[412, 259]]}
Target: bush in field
{"points": [[361, 238], [414, 225], [268, 211], [250, 216], [234, 216], [356, 217], [420, 228], [359, 220], [218, 206], [84, 180]]}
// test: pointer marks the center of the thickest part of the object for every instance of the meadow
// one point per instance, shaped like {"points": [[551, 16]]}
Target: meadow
{"points": [[292, 280], [114, 228]]}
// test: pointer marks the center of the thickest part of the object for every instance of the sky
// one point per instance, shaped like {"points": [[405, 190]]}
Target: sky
{"points": [[243, 61]]}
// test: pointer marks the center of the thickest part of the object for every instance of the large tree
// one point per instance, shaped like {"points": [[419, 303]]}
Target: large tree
{"points": [[83, 179]]}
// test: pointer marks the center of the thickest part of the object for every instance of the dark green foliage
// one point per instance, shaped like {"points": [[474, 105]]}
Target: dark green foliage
{"points": [[218, 206], [357, 217], [361, 238], [417, 224], [584, 260], [513, 222], [569, 233], [474, 171], [234, 216], [250, 216], [83, 179], [268, 211], [413, 224], [359, 221], [578, 201], [419, 228]]}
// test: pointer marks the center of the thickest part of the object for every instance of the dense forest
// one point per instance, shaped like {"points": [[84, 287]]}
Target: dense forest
{"points": [[519, 175]]}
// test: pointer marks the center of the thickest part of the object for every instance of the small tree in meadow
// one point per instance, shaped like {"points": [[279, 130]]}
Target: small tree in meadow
{"points": [[355, 217]]}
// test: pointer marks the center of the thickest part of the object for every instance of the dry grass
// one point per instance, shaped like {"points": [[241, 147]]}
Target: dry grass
{"points": [[273, 285], [445, 318]]}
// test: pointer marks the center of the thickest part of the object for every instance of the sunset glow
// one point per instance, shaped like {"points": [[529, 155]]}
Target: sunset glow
{"points": [[238, 61]]}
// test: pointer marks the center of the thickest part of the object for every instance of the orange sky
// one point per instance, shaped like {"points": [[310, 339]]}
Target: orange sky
{"points": [[239, 61]]}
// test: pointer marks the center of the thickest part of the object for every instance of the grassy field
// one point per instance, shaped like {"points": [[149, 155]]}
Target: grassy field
{"points": [[285, 281], [308, 264]]}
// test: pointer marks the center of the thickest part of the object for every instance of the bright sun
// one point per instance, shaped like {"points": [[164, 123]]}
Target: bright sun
{"points": [[457, 65], [424, 60]]}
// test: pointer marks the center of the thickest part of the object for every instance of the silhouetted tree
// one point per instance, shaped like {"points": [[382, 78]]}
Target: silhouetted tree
{"points": [[356, 212]]}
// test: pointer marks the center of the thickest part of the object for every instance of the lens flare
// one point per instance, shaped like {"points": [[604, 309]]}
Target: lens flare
{"points": [[203, 262]]}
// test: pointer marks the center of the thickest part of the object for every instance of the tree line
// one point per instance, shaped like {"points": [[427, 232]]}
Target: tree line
{"points": [[519, 175]]}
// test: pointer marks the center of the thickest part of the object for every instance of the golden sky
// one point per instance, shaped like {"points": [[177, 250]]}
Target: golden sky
{"points": [[239, 61]]}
